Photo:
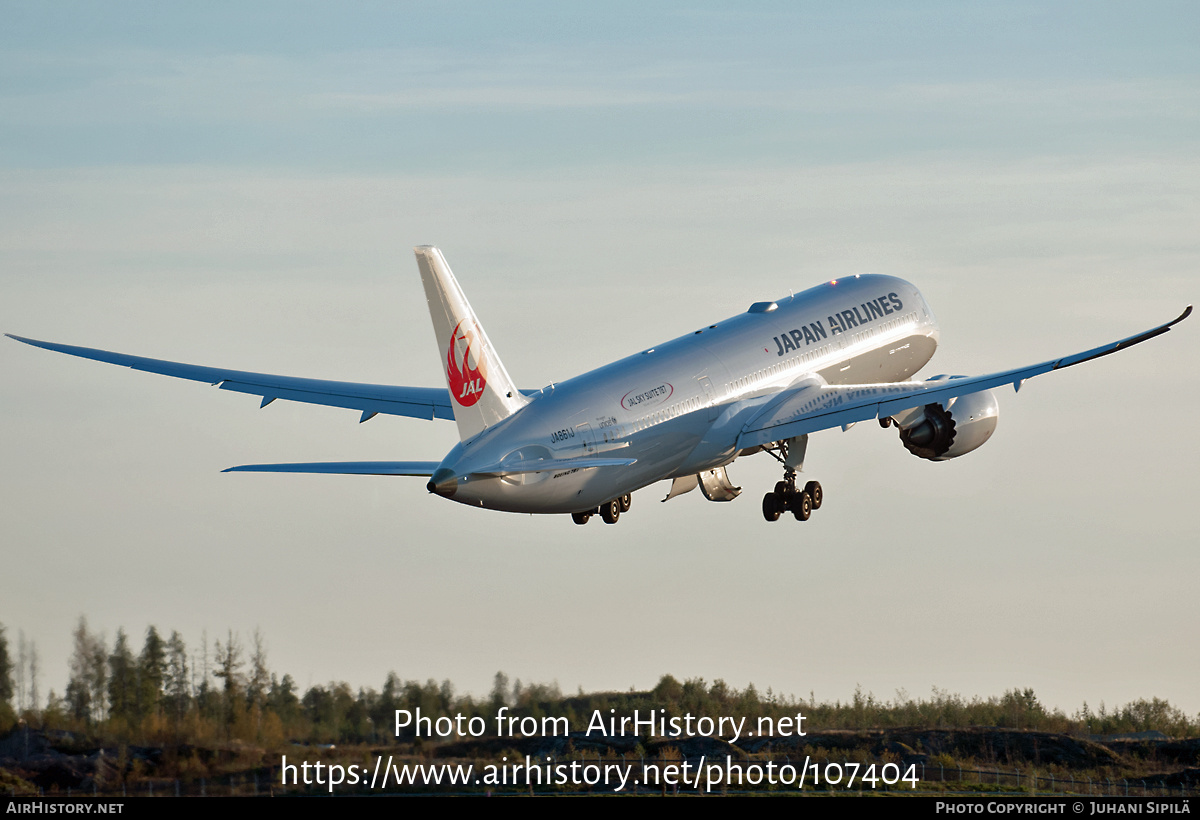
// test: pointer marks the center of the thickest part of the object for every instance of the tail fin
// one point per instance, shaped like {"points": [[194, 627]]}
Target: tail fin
{"points": [[481, 391]]}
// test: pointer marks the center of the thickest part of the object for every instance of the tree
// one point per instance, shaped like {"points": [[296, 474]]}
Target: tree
{"points": [[122, 680], [176, 686], [206, 703], [389, 700], [55, 715], [33, 676], [151, 671], [7, 715], [88, 681], [499, 690], [668, 691], [229, 668], [22, 661], [6, 678], [228, 658], [258, 685], [27, 672], [319, 709], [260, 676], [283, 699]]}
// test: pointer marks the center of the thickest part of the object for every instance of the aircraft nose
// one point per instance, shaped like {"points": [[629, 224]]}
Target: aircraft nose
{"points": [[443, 482]]}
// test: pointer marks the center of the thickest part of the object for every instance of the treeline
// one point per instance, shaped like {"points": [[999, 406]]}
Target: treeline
{"points": [[224, 692]]}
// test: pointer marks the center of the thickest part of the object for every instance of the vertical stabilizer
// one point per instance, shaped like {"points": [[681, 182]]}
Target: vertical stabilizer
{"points": [[481, 391]]}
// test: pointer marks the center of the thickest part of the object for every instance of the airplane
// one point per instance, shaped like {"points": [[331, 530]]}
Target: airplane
{"points": [[683, 411]]}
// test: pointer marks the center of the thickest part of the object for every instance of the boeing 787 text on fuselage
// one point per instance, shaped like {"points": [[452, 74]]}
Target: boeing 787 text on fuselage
{"points": [[762, 381]]}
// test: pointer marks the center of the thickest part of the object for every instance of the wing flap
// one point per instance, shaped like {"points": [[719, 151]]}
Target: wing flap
{"points": [[406, 401]]}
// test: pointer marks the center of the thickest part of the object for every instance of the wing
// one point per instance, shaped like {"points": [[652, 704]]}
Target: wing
{"points": [[812, 406], [371, 399]]}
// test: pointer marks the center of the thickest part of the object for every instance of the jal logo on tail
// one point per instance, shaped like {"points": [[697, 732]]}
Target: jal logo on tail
{"points": [[466, 382]]}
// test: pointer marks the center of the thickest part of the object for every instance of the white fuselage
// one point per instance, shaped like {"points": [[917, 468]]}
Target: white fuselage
{"points": [[678, 408]]}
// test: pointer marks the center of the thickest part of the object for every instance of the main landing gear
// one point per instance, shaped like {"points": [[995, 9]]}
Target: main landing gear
{"points": [[610, 511], [787, 498]]}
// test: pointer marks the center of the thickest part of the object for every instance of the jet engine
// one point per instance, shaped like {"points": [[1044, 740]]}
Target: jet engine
{"points": [[940, 433]]}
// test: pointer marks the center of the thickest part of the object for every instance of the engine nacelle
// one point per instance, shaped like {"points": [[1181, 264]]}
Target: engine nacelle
{"points": [[941, 433]]}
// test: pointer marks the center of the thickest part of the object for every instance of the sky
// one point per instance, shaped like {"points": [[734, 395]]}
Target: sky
{"points": [[241, 185]]}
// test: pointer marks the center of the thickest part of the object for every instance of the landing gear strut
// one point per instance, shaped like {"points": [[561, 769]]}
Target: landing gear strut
{"points": [[787, 498]]}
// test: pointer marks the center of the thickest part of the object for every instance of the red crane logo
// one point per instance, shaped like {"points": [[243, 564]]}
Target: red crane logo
{"points": [[466, 383]]}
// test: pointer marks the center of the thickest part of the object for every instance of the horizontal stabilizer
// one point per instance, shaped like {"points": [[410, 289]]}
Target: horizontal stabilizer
{"points": [[420, 468]]}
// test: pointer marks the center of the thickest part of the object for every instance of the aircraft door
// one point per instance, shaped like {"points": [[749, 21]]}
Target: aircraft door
{"points": [[710, 397], [584, 431]]}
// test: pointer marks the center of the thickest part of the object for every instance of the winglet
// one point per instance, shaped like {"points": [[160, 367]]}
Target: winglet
{"points": [[1096, 353]]}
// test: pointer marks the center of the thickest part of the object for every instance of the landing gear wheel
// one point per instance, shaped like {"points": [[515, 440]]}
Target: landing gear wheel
{"points": [[782, 488], [771, 507], [802, 506], [625, 500], [813, 488], [581, 518], [610, 511]]}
